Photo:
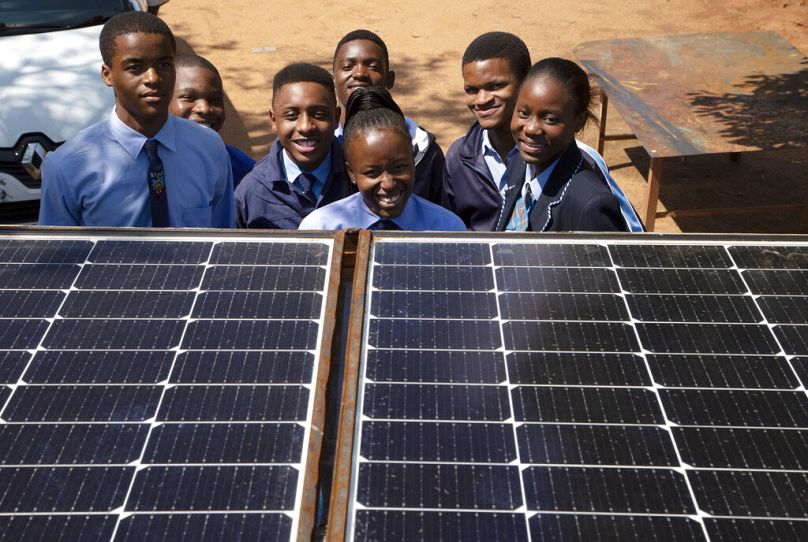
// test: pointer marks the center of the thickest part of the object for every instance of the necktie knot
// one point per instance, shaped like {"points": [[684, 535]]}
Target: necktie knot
{"points": [[306, 183], [386, 224], [151, 149]]}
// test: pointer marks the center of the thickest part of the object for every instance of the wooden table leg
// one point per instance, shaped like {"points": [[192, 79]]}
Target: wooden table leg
{"points": [[654, 179], [604, 105]]}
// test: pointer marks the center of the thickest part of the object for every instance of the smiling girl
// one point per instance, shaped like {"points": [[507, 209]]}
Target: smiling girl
{"points": [[379, 161], [550, 185]]}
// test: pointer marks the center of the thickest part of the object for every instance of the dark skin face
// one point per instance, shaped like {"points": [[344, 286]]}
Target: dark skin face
{"points": [[490, 88], [199, 96], [544, 121], [360, 63], [142, 74], [380, 163], [304, 116]]}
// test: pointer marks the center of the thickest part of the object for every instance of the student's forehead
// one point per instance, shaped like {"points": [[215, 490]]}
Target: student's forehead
{"points": [[545, 91], [303, 94], [489, 69], [360, 49], [197, 76], [139, 44]]}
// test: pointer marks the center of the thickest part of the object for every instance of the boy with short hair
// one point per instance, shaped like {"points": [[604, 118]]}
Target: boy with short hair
{"points": [[304, 168], [361, 60], [142, 167], [199, 96]]}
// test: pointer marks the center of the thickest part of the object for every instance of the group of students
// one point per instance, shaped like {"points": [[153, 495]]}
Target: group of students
{"points": [[345, 155]]}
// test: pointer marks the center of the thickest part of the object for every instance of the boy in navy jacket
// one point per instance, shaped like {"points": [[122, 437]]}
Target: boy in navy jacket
{"points": [[304, 168]]}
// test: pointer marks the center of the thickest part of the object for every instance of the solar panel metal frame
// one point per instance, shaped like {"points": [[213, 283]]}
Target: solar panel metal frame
{"points": [[304, 513], [343, 491]]}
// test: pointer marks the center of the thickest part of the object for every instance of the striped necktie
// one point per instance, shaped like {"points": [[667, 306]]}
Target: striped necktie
{"points": [[156, 178], [520, 219]]}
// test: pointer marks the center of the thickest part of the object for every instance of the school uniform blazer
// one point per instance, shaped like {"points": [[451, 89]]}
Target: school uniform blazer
{"points": [[579, 202], [265, 199], [429, 169], [469, 190]]}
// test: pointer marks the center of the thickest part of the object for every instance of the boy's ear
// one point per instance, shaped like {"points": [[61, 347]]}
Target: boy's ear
{"points": [[272, 120], [106, 75], [390, 80]]}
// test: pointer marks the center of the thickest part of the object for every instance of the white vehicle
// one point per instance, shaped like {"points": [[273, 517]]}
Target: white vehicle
{"points": [[50, 86]]}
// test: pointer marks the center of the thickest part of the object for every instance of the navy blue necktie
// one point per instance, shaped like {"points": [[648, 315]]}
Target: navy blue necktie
{"points": [[386, 224], [306, 182], [157, 186]]}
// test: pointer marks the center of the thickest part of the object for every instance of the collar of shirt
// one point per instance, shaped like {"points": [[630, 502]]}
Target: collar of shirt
{"points": [[133, 141], [496, 166], [403, 221], [293, 171], [537, 182]]}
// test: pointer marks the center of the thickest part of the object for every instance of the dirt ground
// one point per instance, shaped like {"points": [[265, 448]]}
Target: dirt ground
{"points": [[249, 40]]}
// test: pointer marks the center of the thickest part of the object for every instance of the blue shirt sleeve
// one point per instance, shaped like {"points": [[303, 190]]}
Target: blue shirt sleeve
{"points": [[56, 207], [224, 205]]}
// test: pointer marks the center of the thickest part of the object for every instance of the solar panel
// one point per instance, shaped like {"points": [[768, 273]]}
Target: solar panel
{"points": [[158, 387], [581, 388]]}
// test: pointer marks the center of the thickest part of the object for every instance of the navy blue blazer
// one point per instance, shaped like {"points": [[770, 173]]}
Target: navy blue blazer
{"points": [[570, 201], [469, 190], [265, 199]]}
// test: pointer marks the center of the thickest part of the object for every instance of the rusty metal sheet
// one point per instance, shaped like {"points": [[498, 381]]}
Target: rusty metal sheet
{"points": [[705, 93]]}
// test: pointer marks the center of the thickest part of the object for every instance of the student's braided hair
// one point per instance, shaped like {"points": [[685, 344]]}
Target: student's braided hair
{"points": [[372, 108]]}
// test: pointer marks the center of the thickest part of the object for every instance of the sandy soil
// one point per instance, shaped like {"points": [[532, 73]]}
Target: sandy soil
{"points": [[249, 40]]}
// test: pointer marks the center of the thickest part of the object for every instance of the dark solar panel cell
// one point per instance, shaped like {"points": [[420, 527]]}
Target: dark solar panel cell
{"points": [[12, 364], [570, 336], [595, 445], [777, 282], [800, 367], [277, 305], [225, 443], [198, 367], [151, 251], [784, 310], [793, 338], [602, 527], [445, 442], [374, 525], [586, 405], [670, 256], [214, 488], [234, 403], [556, 279], [297, 279], [542, 306], [679, 308], [36, 251], [736, 408], [5, 392], [29, 303], [437, 334], [681, 281], [251, 334], [434, 366], [402, 277], [99, 367], [63, 489], [270, 253], [21, 334], [114, 334], [706, 447], [770, 257], [586, 369], [140, 277], [397, 485], [83, 403], [38, 277], [105, 304], [66, 444], [463, 254], [753, 530], [57, 528], [536, 255], [707, 339], [436, 402], [647, 491], [696, 371], [466, 305], [761, 494], [170, 527]]}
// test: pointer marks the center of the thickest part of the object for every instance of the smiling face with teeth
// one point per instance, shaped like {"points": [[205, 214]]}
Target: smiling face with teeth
{"points": [[360, 63], [304, 116], [379, 161]]}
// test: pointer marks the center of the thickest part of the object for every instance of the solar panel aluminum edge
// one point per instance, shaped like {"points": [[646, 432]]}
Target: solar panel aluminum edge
{"points": [[701, 477], [107, 456]]}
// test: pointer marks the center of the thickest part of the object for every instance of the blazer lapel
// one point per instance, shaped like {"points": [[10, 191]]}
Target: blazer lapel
{"points": [[541, 215]]}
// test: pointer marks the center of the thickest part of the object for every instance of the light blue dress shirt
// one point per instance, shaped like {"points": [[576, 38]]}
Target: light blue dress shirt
{"points": [[351, 212], [496, 166], [293, 171], [98, 178]]}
